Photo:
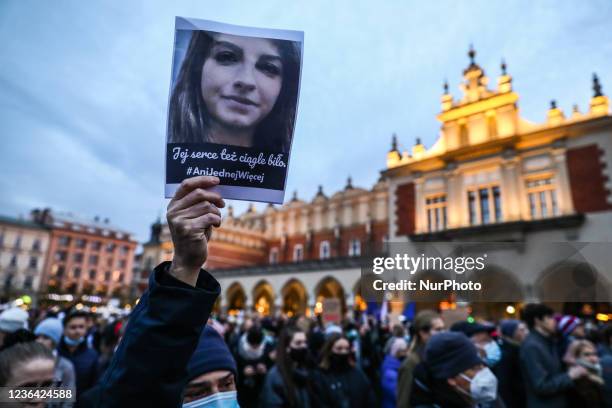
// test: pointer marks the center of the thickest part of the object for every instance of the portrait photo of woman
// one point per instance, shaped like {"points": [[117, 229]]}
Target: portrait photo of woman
{"points": [[236, 90]]}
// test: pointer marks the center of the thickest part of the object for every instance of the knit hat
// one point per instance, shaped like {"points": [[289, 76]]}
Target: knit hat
{"points": [[450, 353], [50, 327], [509, 326], [567, 324], [470, 329], [211, 354], [13, 319]]}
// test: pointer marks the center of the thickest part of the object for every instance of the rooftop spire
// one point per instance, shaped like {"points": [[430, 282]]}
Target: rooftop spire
{"points": [[596, 86], [394, 143], [472, 54], [349, 183], [553, 104], [503, 67], [445, 86]]}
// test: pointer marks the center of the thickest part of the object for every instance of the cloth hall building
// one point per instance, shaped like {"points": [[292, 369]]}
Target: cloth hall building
{"points": [[490, 176]]}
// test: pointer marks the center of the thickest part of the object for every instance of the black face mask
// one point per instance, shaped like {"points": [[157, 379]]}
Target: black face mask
{"points": [[339, 361], [298, 354]]}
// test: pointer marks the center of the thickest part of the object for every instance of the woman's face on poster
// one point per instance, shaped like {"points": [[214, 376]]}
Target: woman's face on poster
{"points": [[241, 80]]}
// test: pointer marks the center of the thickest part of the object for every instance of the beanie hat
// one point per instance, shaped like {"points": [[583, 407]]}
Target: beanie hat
{"points": [[13, 319], [50, 327], [567, 324], [508, 327], [470, 329], [450, 353], [211, 354]]}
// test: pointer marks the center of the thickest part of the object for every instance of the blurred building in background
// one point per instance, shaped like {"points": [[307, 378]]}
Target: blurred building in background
{"points": [[85, 256], [493, 176], [23, 252]]}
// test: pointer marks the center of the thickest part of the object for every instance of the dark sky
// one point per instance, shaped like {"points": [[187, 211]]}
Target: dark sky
{"points": [[84, 87]]}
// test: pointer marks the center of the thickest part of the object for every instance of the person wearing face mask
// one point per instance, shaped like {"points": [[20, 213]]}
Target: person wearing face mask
{"points": [[211, 374], [73, 347], [511, 385], [288, 383], [339, 382], [150, 365], [252, 359], [588, 390], [389, 371], [453, 375], [481, 335]]}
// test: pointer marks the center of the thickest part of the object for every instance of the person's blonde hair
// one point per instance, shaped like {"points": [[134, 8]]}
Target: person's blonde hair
{"points": [[422, 322]]}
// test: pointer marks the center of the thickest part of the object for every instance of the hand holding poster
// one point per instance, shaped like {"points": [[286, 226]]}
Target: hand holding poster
{"points": [[232, 109]]}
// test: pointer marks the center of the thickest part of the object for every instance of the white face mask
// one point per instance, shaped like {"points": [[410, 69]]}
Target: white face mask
{"points": [[483, 387], [219, 400]]}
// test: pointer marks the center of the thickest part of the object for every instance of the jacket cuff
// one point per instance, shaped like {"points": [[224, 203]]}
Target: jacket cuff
{"points": [[174, 302]]}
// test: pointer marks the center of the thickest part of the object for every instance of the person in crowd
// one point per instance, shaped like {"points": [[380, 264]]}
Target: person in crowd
{"points": [[28, 364], [149, 368], [11, 320], [389, 371], [588, 390], [339, 382], [288, 383], [604, 347], [211, 374], [481, 335], [426, 323], [252, 359], [49, 333], [398, 331], [511, 385], [569, 328], [453, 375], [73, 346], [546, 381]]}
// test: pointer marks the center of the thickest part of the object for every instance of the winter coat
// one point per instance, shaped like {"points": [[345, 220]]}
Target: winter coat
{"points": [[344, 389], [511, 386], [274, 393], [85, 362], [149, 368], [546, 381], [388, 380], [405, 376]]}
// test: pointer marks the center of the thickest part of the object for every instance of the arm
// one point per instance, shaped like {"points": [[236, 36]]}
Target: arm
{"points": [[150, 365], [537, 374], [272, 395]]}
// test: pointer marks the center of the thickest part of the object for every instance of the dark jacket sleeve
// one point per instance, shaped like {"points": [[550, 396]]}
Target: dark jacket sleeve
{"points": [[537, 373], [149, 367]]}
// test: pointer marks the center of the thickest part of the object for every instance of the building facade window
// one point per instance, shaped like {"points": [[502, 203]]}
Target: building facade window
{"points": [[96, 245], [76, 273], [92, 274], [33, 262], [298, 253], [435, 207], [107, 276], [542, 198], [27, 282], [64, 241], [78, 257], [13, 262], [324, 250], [274, 256], [36, 245], [484, 205], [110, 247], [93, 259], [354, 247]]}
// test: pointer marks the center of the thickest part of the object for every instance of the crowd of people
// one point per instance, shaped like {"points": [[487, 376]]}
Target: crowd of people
{"points": [[174, 351]]}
